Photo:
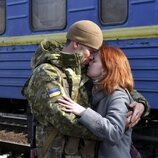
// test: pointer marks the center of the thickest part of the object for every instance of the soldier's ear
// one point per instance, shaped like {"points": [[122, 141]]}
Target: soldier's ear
{"points": [[75, 45]]}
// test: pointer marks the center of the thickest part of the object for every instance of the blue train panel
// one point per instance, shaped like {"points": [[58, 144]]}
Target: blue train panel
{"points": [[15, 68]]}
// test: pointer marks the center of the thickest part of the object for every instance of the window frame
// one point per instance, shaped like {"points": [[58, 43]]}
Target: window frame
{"points": [[47, 29], [4, 29], [112, 23]]}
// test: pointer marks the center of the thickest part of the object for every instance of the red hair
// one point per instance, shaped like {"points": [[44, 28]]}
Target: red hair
{"points": [[118, 71]]}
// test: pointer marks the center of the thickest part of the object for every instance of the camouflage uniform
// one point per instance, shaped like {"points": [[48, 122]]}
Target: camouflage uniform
{"points": [[56, 74], [140, 99], [51, 72]]}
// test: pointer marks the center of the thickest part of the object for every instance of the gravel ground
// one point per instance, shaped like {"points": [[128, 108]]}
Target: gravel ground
{"points": [[20, 138]]}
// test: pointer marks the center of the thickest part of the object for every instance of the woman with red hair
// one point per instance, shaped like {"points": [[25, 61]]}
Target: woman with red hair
{"points": [[112, 78]]}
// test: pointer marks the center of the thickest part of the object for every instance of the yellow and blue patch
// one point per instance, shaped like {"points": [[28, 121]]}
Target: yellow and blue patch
{"points": [[54, 92]]}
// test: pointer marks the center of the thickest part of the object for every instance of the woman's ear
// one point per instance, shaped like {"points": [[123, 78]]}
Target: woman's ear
{"points": [[103, 72]]}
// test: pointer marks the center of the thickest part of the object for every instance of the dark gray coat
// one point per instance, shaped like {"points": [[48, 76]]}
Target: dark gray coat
{"points": [[108, 123]]}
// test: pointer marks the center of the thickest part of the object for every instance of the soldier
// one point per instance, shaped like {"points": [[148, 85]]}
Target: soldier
{"points": [[58, 72]]}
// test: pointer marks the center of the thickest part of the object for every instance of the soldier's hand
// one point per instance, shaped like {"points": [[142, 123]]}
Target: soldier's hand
{"points": [[128, 120], [70, 106], [134, 117]]}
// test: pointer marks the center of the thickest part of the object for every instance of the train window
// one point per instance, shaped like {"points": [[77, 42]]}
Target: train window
{"points": [[48, 14], [2, 16], [113, 11]]}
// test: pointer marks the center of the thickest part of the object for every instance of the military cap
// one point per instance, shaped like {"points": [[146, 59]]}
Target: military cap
{"points": [[87, 33]]}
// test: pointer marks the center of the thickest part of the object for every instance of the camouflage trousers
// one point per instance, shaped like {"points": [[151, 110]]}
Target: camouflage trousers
{"points": [[64, 146], [71, 147]]}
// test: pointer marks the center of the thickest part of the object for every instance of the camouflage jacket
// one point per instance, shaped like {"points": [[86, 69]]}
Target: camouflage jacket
{"points": [[46, 85], [141, 99], [56, 74]]}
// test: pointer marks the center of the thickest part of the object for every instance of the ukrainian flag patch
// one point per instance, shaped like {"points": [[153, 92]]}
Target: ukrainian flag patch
{"points": [[54, 92]]}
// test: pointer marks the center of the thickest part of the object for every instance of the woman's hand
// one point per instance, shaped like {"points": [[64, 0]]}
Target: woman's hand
{"points": [[70, 106]]}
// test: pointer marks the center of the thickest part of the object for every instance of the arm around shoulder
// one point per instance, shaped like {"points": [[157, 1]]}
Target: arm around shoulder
{"points": [[138, 97]]}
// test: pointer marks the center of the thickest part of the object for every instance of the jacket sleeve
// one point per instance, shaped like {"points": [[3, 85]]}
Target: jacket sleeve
{"points": [[44, 89], [141, 99], [109, 126]]}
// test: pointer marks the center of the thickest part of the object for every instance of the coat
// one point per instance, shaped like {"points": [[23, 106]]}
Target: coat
{"points": [[107, 121]]}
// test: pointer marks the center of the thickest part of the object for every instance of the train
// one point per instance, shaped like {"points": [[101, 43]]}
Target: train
{"points": [[131, 25]]}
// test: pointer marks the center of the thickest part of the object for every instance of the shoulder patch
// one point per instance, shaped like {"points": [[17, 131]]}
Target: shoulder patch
{"points": [[53, 89], [54, 92]]}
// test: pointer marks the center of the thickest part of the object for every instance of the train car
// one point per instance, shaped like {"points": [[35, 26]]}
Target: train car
{"points": [[129, 24]]}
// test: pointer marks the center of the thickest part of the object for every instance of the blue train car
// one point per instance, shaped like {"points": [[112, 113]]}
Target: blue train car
{"points": [[129, 24]]}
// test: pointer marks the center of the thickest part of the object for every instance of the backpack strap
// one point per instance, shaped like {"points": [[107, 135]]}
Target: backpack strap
{"points": [[64, 84], [48, 141], [74, 82]]}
